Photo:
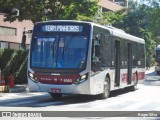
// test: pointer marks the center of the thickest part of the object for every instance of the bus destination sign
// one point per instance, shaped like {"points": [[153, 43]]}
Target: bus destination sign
{"points": [[62, 28]]}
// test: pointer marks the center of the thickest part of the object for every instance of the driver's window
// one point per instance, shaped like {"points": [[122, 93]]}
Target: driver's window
{"points": [[95, 64], [96, 48]]}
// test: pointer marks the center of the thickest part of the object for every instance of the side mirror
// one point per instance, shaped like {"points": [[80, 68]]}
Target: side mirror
{"points": [[97, 37], [97, 50]]}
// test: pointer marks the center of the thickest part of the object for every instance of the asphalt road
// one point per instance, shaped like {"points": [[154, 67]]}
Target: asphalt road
{"points": [[145, 98]]}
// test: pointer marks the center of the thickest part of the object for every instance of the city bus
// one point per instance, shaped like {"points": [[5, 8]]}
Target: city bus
{"points": [[77, 57], [157, 58]]}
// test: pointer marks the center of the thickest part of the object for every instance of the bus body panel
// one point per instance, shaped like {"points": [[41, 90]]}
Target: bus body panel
{"points": [[66, 89], [32, 86]]}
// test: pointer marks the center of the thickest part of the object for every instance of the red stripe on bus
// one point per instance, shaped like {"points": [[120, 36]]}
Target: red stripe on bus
{"points": [[125, 77], [53, 79], [141, 75]]}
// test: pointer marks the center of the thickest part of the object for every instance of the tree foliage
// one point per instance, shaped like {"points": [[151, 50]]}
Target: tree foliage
{"points": [[41, 10], [137, 22], [110, 18], [152, 10]]}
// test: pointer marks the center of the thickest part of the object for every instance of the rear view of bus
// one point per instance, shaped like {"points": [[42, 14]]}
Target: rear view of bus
{"points": [[58, 56]]}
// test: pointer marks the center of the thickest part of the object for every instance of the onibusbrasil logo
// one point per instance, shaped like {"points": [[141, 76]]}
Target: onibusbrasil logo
{"points": [[21, 114]]}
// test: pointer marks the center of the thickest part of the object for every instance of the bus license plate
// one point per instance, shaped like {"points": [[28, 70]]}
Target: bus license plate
{"points": [[55, 90]]}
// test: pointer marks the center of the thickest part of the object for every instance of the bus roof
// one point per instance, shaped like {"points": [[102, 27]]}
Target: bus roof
{"points": [[113, 31], [122, 34]]}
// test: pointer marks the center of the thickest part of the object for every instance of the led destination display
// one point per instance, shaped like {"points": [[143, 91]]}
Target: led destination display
{"points": [[62, 28]]}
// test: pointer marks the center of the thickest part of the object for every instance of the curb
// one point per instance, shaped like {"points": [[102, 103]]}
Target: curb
{"points": [[4, 88], [18, 88]]}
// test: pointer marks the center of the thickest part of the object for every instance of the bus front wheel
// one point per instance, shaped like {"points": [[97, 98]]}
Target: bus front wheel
{"points": [[106, 90]]}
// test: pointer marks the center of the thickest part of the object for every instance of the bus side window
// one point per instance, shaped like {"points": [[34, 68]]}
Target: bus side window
{"points": [[105, 51], [113, 53], [134, 57], [96, 64], [96, 49]]}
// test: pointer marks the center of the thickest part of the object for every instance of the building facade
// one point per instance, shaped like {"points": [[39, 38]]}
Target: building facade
{"points": [[11, 33], [109, 5], [121, 2]]}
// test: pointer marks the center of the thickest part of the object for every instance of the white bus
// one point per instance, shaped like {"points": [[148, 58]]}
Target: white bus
{"points": [[75, 57]]}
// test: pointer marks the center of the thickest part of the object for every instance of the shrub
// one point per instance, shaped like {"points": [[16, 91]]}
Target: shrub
{"points": [[14, 62]]}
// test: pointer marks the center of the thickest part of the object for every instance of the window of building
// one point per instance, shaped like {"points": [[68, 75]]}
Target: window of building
{"points": [[14, 46], [8, 31], [3, 44]]}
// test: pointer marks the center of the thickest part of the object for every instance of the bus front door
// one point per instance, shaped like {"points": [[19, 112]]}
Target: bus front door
{"points": [[117, 63], [129, 73]]}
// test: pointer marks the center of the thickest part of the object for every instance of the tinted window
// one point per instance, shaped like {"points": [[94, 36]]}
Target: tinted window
{"points": [[60, 46]]}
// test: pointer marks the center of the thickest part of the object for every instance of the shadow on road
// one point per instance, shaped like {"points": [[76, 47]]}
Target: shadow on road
{"points": [[46, 100], [152, 79]]}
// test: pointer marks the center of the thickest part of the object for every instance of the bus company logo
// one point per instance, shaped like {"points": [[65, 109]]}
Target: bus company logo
{"points": [[56, 74], [55, 79], [21, 114], [42, 78]]}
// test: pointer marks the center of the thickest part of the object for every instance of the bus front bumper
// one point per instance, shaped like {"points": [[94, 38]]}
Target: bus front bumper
{"points": [[82, 88]]}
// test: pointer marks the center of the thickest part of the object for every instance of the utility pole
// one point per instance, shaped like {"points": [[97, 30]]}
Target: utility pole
{"points": [[126, 3]]}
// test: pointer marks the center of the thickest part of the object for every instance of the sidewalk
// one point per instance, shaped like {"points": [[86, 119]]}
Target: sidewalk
{"points": [[19, 88], [150, 70]]}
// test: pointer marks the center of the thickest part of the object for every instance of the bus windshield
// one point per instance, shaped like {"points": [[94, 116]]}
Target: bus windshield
{"points": [[51, 50]]}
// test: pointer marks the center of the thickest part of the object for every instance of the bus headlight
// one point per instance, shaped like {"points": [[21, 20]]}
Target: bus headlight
{"points": [[32, 76], [81, 79]]}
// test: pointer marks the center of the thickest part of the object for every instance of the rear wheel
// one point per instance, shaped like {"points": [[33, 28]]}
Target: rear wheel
{"points": [[106, 90], [56, 95]]}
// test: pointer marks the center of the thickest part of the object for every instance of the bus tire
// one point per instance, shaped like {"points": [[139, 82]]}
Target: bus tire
{"points": [[106, 90], [56, 95]]}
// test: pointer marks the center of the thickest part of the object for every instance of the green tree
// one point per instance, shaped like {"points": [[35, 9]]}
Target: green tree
{"points": [[110, 18], [154, 12], [41, 10], [150, 47], [137, 23], [134, 20]]}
